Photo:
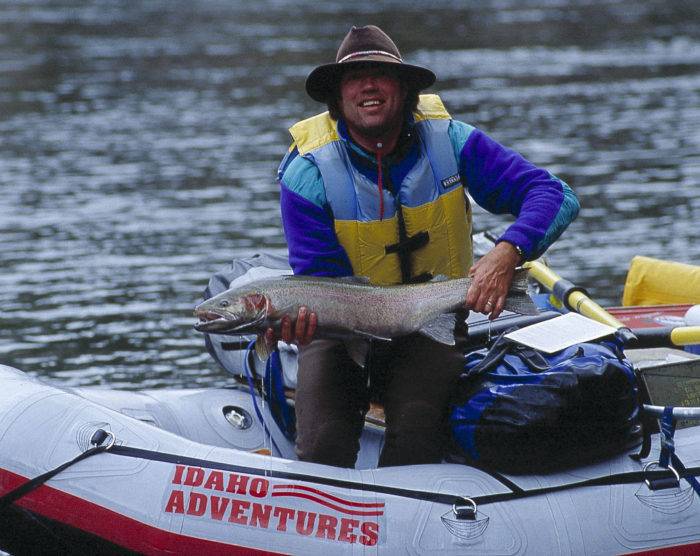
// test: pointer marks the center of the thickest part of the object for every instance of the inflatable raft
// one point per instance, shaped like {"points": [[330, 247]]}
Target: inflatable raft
{"points": [[187, 472], [210, 471]]}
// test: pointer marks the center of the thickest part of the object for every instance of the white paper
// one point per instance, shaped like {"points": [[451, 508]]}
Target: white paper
{"points": [[561, 332]]}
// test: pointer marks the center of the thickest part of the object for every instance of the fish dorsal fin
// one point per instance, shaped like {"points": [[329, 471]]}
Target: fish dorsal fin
{"points": [[439, 278], [441, 329]]}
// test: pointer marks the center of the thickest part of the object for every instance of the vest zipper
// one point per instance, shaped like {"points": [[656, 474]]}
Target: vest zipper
{"points": [[406, 244], [404, 257], [380, 185]]}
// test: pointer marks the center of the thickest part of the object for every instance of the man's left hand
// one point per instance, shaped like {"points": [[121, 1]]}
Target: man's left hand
{"points": [[491, 279]]}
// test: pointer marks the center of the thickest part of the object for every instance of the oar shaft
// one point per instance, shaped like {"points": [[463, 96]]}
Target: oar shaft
{"points": [[583, 304], [573, 297], [543, 274], [576, 299], [664, 336], [678, 412]]}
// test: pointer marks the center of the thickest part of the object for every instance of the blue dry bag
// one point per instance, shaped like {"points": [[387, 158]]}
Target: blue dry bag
{"points": [[520, 410]]}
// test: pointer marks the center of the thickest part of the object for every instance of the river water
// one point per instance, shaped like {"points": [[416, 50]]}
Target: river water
{"points": [[140, 141]]}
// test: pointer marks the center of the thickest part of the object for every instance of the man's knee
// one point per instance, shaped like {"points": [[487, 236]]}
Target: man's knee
{"points": [[416, 433], [331, 442]]}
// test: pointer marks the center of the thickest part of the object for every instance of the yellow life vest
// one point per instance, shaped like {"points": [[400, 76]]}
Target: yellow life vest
{"points": [[429, 218]]}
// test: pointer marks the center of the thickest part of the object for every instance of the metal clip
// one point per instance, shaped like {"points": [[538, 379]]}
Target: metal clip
{"points": [[99, 437], [662, 483], [465, 511]]}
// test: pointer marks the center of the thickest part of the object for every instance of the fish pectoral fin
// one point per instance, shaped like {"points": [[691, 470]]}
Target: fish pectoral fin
{"points": [[261, 348], [441, 329], [370, 336]]}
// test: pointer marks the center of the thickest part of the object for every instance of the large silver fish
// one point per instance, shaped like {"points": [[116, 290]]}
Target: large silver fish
{"points": [[348, 307]]}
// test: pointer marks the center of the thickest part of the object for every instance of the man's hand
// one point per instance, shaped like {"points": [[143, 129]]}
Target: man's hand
{"points": [[491, 279], [301, 333]]}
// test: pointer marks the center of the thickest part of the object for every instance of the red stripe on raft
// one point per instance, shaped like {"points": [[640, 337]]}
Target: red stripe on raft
{"points": [[677, 550], [330, 496], [114, 527], [650, 316], [329, 504]]}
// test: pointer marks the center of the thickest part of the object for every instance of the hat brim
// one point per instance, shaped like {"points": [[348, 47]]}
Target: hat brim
{"points": [[322, 82]]}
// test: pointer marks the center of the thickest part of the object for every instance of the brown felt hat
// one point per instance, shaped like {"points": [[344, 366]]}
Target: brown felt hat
{"points": [[364, 45]]}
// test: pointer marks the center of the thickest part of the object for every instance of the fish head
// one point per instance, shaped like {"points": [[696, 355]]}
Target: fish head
{"points": [[233, 312]]}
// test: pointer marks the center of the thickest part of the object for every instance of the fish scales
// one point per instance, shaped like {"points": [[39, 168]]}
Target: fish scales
{"points": [[347, 307], [384, 311]]}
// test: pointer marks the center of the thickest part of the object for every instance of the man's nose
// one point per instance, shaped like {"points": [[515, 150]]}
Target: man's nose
{"points": [[369, 82]]}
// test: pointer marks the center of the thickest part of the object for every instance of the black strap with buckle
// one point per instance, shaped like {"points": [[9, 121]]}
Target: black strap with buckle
{"points": [[409, 244], [404, 247]]}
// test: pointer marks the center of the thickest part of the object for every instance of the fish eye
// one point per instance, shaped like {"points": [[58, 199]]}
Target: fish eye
{"points": [[224, 303]]}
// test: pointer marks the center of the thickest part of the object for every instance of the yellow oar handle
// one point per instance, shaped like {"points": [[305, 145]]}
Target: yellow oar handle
{"points": [[574, 298], [685, 335]]}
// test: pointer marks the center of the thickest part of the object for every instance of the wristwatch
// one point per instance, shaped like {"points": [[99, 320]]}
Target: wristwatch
{"points": [[519, 251]]}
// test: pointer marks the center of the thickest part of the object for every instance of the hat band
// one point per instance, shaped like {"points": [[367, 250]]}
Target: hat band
{"points": [[369, 53]]}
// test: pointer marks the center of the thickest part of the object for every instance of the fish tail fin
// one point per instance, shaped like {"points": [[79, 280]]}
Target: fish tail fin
{"points": [[518, 299], [520, 280], [520, 302]]}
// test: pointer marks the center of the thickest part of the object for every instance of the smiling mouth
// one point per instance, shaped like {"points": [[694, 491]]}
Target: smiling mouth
{"points": [[370, 103]]}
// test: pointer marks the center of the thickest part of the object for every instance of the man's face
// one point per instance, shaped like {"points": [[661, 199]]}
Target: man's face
{"points": [[371, 101]]}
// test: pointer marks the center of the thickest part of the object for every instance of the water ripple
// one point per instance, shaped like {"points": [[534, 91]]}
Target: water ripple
{"points": [[141, 143]]}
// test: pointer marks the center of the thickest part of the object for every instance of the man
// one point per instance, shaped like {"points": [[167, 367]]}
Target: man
{"points": [[376, 187]]}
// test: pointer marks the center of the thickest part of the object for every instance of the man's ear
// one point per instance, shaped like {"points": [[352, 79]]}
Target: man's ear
{"points": [[333, 104]]}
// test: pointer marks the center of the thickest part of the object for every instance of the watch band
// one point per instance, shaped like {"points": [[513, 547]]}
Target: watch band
{"points": [[520, 251]]}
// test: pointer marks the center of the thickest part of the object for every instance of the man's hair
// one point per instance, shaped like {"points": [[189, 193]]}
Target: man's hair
{"points": [[409, 106]]}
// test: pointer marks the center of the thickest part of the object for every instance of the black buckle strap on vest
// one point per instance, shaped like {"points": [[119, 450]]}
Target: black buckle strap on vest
{"points": [[406, 244], [421, 278], [404, 247], [409, 244]]}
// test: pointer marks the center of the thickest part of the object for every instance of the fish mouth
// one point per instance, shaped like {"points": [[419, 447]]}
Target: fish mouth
{"points": [[211, 321]]}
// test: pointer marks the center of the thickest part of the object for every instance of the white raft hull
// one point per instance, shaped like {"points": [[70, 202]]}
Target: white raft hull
{"points": [[191, 485]]}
